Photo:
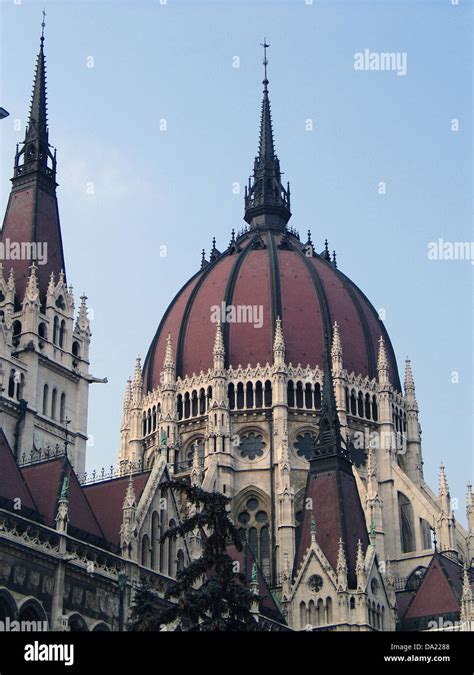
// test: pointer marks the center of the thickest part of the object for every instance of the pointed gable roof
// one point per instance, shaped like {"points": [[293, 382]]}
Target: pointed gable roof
{"points": [[12, 483], [106, 499], [331, 490], [440, 590], [44, 480]]}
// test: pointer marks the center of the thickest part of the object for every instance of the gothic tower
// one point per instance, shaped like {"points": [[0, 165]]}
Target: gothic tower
{"points": [[44, 347]]}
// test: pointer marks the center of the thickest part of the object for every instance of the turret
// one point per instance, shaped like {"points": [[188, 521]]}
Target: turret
{"points": [[445, 521], [413, 460]]}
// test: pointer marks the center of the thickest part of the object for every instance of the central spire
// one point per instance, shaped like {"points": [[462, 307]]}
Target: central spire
{"points": [[267, 202], [35, 154]]}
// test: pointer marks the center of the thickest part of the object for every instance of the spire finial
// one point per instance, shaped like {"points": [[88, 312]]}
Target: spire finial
{"points": [[43, 24], [265, 61]]}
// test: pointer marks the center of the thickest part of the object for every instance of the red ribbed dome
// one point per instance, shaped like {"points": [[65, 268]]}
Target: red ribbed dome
{"points": [[269, 270]]}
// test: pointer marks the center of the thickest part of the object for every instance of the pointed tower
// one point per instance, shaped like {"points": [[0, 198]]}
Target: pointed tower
{"points": [[331, 490], [413, 462], [267, 202], [32, 218], [340, 379], [445, 522], [470, 523]]}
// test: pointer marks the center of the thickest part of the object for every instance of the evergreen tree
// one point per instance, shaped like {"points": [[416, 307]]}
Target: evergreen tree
{"points": [[143, 614], [210, 594]]}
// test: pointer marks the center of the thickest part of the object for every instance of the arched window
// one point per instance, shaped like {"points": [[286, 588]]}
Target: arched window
{"points": [[240, 396], [425, 529], [153, 417], [312, 613], [144, 423], [352, 602], [303, 622], [62, 333], [155, 540], [299, 395], [249, 395], [265, 550], [268, 393], [258, 394], [20, 381], [76, 349], [360, 405], [254, 523], [145, 550], [347, 399], [231, 395], [179, 406], [291, 394], [194, 403], [320, 612], [317, 395], [16, 333], [11, 384], [54, 397], [375, 412], [148, 421], [367, 406], [407, 529], [209, 397], [171, 551], [62, 408], [202, 402], [45, 399], [353, 402], [55, 330], [42, 330], [328, 610], [180, 561], [187, 408], [308, 396]]}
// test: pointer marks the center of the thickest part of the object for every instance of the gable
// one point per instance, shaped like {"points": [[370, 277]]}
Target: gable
{"points": [[106, 499], [12, 483], [435, 595]]}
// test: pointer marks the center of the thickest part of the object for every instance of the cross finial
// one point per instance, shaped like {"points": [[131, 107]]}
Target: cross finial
{"points": [[265, 60], [43, 24]]}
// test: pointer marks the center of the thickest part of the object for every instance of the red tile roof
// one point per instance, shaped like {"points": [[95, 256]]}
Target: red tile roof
{"points": [[12, 483], [45, 479], [106, 499], [440, 590], [279, 281], [338, 513]]}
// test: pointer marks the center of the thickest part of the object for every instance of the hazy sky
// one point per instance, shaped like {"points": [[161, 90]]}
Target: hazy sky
{"points": [[116, 70]]}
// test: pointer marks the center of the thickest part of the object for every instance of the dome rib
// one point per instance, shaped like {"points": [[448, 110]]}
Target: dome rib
{"points": [[277, 308], [229, 294], [321, 293]]}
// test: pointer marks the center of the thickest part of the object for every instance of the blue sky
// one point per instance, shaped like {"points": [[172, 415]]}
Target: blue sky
{"points": [[174, 188]]}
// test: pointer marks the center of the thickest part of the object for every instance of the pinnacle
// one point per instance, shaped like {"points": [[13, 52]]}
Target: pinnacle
{"points": [[279, 340], [336, 349], [382, 361], [219, 349]]}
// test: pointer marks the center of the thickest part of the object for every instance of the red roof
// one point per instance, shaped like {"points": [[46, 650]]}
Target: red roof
{"points": [[12, 483], [440, 590], [338, 514], [106, 499], [308, 293], [32, 216], [44, 480]]}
